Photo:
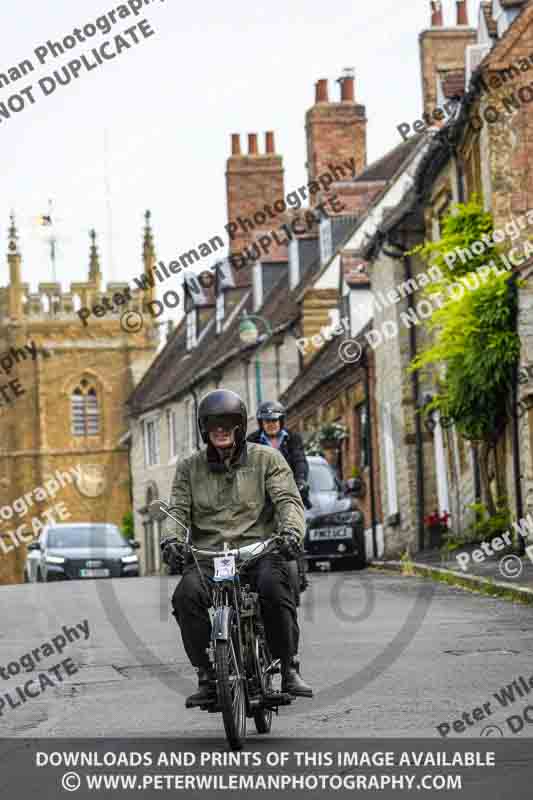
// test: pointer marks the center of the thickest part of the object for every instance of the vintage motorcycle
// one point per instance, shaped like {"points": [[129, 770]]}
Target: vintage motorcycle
{"points": [[238, 649]]}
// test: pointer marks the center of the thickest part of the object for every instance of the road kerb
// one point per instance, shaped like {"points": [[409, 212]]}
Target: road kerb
{"points": [[509, 591]]}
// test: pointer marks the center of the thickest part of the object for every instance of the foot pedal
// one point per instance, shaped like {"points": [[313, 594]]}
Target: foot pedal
{"points": [[302, 693], [275, 699], [202, 704]]}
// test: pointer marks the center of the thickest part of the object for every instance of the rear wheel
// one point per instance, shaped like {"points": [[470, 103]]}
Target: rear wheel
{"points": [[230, 690]]}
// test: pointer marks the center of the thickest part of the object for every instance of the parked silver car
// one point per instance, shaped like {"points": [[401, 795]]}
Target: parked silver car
{"points": [[69, 551]]}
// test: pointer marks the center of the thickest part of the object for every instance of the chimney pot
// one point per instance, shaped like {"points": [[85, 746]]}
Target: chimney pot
{"points": [[321, 91], [462, 12], [436, 14], [252, 144], [235, 144], [347, 89], [269, 142]]}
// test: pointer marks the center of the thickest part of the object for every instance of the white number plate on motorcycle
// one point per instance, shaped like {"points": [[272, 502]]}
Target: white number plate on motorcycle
{"points": [[224, 568]]}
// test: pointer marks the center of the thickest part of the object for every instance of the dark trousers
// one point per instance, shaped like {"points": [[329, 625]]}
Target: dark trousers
{"points": [[269, 577]]}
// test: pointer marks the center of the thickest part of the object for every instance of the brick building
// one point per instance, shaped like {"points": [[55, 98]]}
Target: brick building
{"points": [[69, 410]]}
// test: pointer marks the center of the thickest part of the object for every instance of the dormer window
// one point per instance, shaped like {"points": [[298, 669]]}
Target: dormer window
{"points": [[258, 285], [191, 329], [294, 263], [220, 312], [326, 243]]}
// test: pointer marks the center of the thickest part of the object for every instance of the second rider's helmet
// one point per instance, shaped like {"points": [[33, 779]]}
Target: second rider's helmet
{"points": [[271, 410], [223, 405]]}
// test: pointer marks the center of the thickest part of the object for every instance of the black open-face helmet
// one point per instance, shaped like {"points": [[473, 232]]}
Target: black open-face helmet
{"points": [[226, 405], [270, 410]]}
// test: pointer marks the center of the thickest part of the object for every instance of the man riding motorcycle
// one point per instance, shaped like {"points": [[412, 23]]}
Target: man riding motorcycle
{"points": [[237, 493]]}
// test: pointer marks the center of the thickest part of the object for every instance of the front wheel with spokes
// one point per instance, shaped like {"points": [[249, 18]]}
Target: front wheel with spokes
{"points": [[231, 694], [263, 716]]}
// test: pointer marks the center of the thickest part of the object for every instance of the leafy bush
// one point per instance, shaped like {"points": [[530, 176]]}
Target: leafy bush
{"points": [[127, 525], [486, 527]]}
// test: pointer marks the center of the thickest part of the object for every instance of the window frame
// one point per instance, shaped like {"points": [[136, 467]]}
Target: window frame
{"points": [[148, 462], [84, 413], [172, 434]]}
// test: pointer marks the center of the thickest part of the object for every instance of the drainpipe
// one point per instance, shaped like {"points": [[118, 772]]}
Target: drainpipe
{"points": [[196, 432], [370, 445], [461, 197], [516, 428]]}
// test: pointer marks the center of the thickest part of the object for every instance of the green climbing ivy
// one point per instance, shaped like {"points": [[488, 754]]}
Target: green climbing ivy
{"points": [[474, 337]]}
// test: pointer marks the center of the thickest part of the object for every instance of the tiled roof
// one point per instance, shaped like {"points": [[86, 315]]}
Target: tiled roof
{"points": [[512, 3], [386, 167], [323, 367], [175, 372]]}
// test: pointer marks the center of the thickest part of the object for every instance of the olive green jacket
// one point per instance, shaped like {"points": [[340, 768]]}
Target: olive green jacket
{"points": [[247, 502]]}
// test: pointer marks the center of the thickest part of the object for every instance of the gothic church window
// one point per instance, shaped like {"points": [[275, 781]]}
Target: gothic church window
{"points": [[85, 411]]}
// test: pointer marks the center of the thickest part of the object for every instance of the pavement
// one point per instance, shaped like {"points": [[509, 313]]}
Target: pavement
{"points": [[505, 573], [387, 655]]}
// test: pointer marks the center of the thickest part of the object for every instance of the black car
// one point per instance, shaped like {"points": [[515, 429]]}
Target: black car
{"points": [[334, 525], [81, 550]]}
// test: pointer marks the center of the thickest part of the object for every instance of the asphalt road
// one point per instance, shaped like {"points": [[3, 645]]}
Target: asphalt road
{"points": [[386, 655]]}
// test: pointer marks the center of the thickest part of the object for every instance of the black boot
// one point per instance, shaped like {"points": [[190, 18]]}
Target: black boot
{"points": [[291, 683], [206, 689]]}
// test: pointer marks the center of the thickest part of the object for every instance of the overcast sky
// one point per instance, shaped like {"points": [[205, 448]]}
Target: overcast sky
{"points": [[169, 105]]}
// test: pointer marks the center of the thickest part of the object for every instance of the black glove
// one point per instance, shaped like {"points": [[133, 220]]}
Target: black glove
{"points": [[172, 552], [289, 545], [303, 488]]}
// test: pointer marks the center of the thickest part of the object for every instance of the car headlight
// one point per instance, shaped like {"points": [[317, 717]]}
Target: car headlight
{"points": [[343, 518], [129, 559], [55, 560]]}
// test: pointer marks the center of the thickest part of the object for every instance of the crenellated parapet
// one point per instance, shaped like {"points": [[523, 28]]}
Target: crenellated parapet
{"points": [[19, 303]]}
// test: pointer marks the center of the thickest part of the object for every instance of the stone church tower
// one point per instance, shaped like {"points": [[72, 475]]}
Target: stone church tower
{"points": [[63, 387]]}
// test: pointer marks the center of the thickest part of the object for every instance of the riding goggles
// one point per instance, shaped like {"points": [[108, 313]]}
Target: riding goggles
{"points": [[227, 422]]}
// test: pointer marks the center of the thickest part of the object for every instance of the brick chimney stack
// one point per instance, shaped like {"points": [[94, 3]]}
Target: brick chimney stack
{"points": [[442, 50], [335, 131], [253, 180]]}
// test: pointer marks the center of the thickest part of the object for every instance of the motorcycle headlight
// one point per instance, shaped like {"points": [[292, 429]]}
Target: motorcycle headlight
{"points": [[129, 559], [55, 560]]}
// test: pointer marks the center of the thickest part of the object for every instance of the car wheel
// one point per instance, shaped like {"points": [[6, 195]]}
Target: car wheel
{"points": [[311, 565]]}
